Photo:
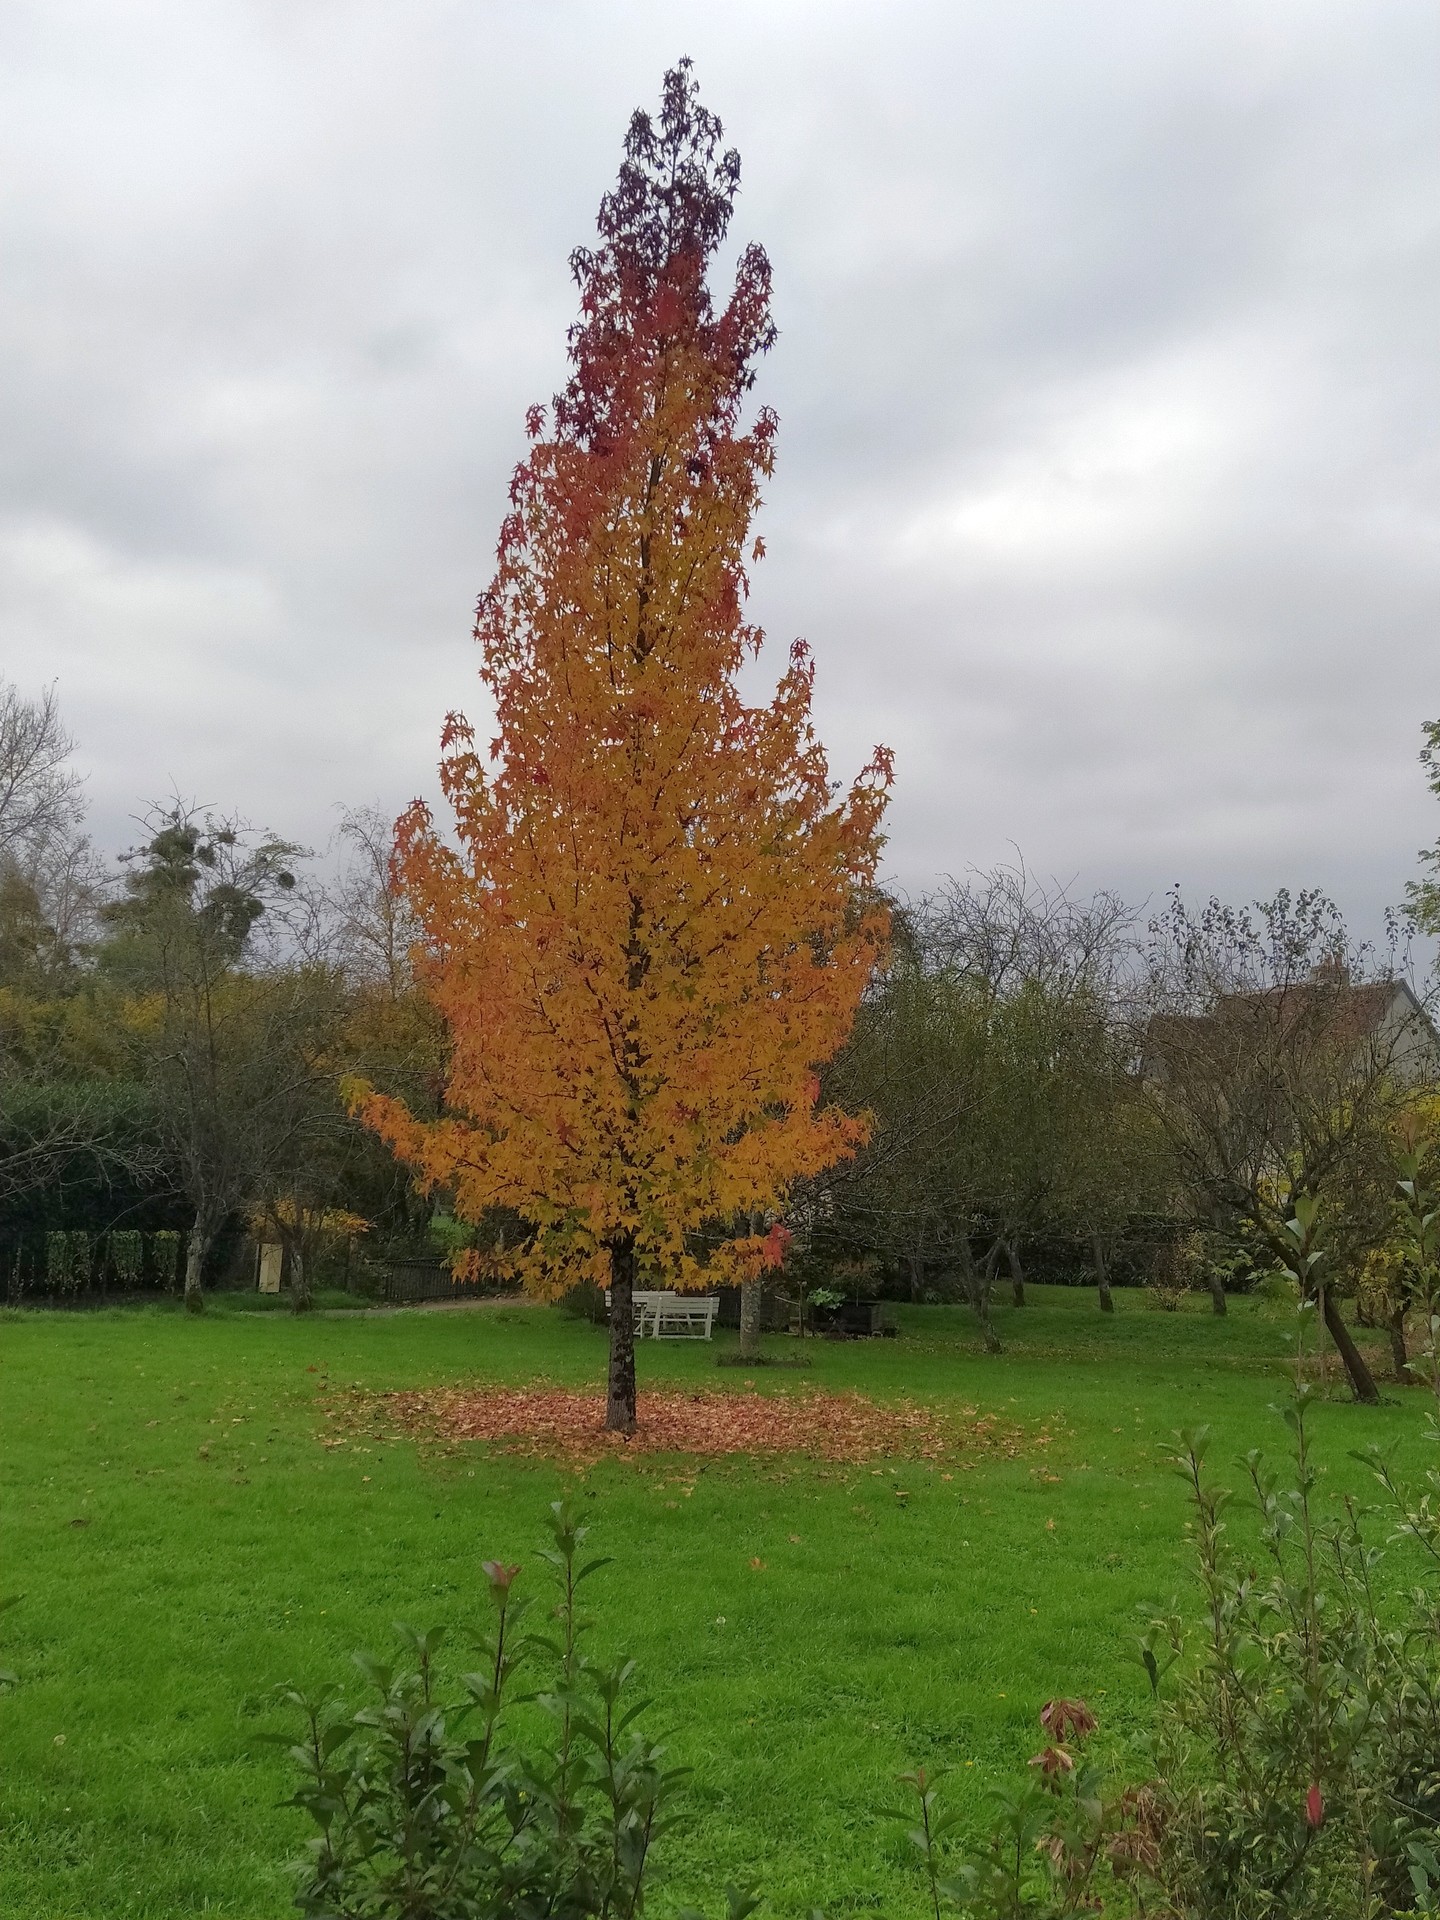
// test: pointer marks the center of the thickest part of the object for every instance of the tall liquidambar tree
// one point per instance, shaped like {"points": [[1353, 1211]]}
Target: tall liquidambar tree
{"points": [[656, 916]]}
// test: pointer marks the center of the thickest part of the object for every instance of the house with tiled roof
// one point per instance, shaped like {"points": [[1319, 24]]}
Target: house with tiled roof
{"points": [[1379, 1020]]}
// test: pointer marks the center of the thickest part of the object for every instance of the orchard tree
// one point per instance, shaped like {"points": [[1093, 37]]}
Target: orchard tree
{"points": [[1277, 1080], [990, 1055], [220, 1041], [658, 918]]}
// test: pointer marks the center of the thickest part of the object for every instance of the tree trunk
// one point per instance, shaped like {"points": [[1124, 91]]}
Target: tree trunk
{"points": [[1102, 1274], [752, 1300], [196, 1249], [916, 1267], [977, 1290], [1217, 1291], [301, 1299], [751, 1306], [620, 1393], [1017, 1274], [1400, 1352], [1362, 1383]]}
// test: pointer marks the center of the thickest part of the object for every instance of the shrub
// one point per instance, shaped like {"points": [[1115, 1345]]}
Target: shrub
{"points": [[428, 1807], [67, 1260], [1057, 1844], [165, 1252], [1298, 1764], [127, 1255], [1295, 1760]]}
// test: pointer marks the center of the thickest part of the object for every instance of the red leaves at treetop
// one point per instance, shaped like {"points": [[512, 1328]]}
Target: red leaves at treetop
{"points": [[658, 917]]}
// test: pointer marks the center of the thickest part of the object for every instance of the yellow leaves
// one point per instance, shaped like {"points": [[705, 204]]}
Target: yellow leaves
{"points": [[334, 1222], [648, 939]]}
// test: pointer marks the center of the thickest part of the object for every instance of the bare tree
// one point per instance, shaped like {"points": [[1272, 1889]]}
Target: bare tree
{"points": [[39, 789], [1011, 932], [373, 924]]}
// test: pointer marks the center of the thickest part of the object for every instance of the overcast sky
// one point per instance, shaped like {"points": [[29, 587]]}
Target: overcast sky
{"points": [[1110, 419]]}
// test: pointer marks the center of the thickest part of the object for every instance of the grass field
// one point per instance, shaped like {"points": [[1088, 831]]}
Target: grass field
{"points": [[183, 1542]]}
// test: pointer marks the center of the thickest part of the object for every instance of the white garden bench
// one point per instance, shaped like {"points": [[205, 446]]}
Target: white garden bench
{"points": [[672, 1316]]}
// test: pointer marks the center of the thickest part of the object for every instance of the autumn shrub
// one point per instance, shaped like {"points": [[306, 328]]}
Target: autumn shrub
{"points": [[1292, 1768], [428, 1805], [1058, 1844], [1297, 1762]]}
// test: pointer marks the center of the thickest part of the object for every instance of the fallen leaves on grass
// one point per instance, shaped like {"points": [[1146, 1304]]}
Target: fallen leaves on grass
{"points": [[550, 1422]]}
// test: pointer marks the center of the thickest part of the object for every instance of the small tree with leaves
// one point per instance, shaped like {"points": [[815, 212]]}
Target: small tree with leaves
{"points": [[220, 1050]]}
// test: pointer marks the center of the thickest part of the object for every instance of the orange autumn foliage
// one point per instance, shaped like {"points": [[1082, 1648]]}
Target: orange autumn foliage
{"points": [[656, 918]]}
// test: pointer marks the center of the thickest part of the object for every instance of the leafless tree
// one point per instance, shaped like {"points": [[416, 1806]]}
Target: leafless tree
{"points": [[373, 925], [39, 788], [1011, 932]]}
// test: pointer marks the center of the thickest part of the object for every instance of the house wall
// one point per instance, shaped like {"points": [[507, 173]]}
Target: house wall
{"points": [[1409, 1040]]}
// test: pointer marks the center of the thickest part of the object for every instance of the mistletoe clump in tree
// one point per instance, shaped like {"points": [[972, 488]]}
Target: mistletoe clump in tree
{"points": [[660, 915]]}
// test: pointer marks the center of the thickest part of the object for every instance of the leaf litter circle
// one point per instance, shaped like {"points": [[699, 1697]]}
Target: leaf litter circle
{"points": [[551, 1422]]}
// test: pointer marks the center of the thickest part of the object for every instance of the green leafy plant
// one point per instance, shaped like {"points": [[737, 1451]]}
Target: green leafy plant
{"points": [[165, 1251], [1054, 1841], [67, 1260], [127, 1253], [1298, 1763], [1295, 1754], [428, 1807]]}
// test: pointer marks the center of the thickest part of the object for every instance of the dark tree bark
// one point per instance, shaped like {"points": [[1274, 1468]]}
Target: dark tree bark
{"points": [[751, 1305], [301, 1298], [977, 1292], [1217, 1291], [1102, 1273], [1017, 1274], [202, 1233], [1395, 1326], [620, 1393], [916, 1269], [1362, 1382]]}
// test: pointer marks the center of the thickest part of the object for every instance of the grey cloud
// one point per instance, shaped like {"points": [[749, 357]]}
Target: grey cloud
{"points": [[1108, 479]]}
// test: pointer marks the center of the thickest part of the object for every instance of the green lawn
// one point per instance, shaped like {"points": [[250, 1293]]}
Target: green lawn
{"points": [[183, 1542]]}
